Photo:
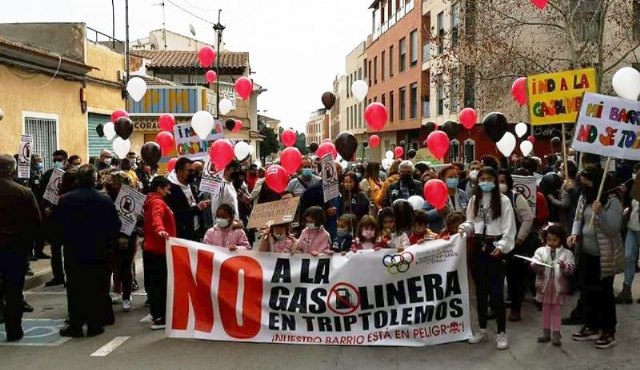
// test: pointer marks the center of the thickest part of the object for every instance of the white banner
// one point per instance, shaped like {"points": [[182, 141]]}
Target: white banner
{"points": [[415, 298], [527, 186], [330, 183], [608, 126], [24, 156], [129, 206], [51, 193]]}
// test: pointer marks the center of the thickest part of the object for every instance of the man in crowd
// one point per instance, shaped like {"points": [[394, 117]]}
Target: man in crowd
{"points": [[405, 187], [183, 201], [88, 224], [227, 192], [19, 217], [252, 176], [105, 160]]}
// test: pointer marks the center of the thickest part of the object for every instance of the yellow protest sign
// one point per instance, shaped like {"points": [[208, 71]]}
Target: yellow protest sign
{"points": [[557, 97]]}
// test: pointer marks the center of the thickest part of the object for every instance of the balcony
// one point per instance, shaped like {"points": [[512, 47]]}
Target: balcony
{"points": [[426, 52], [426, 108]]}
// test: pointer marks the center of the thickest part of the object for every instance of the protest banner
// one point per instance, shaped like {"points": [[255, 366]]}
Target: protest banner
{"points": [[330, 183], [51, 193], [416, 297], [24, 156], [556, 97], [608, 126], [211, 180], [527, 186], [129, 206], [189, 145], [273, 213]]}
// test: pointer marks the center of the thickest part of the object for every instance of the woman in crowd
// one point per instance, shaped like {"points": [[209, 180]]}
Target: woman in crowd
{"points": [[456, 202], [393, 177], [354, 201], [371, 183]]}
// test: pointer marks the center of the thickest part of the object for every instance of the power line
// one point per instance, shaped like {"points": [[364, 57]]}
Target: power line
{"points": [[199, 8], [190, 13]]}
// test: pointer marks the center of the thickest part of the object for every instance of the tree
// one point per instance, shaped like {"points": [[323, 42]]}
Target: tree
{"points": [[301, 143], [270, 143]]}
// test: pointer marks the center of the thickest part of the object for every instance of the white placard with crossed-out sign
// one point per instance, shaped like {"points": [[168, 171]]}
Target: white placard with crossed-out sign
{"points": [[51, 193], [24, 156], [527, 186], [129, 206], [330, 185]]}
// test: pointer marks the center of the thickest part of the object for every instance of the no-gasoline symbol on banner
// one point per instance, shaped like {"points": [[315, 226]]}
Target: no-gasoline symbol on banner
{"points": [[126, 204], [522, 189], [343, 299]]}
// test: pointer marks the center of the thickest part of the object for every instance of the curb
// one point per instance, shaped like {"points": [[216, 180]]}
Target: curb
{"points": [[38, 279]]}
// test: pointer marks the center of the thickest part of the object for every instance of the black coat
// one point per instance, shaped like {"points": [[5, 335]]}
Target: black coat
{"points": [[183, 212], [415, 188]]}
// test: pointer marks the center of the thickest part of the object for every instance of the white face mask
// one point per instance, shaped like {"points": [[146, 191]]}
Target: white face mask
{"points": [[107, 161], [473, 175], [503, 188], [311, 226], [222, 222]]}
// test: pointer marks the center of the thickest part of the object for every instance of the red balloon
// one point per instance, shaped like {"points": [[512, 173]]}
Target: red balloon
{"points": [[172, 164], [166, 122], [244, 87], [532, 139], [288, 137], [238, 126], [276, 178], [166, 142], [468, 118], [376, 116], [221, 153], [398, 151], [374, 141], [211, 76], [291, 159], [436, 193], [438, 143], [519, 90], [540, 4], [327, 148], [206, 56], [118, 113]]}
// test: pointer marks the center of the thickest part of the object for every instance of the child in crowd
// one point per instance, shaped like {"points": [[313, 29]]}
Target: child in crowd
{"points": [[368, 235], [344, 238], [314, 239], [391, 238], [552, 283], [278, 239], [453, 222], [222, 234], [420, 231]]}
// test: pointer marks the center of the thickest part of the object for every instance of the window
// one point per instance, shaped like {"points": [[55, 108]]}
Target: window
{"points": [[403, 97], [440, 95], [413, 97], [382, 66], [469, 87], [403, 54], [359, 74], [348, 84], [375, 70], [413, 37], [391, 106], [454, 151], [440, 20], [369, 73], [453, 95], [469, 151], [455, 23], [45, 138], [360, 115], [391, 61], [383, 100]]}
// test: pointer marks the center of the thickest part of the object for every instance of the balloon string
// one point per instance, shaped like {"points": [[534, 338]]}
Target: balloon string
{"points": [[54, 75]]}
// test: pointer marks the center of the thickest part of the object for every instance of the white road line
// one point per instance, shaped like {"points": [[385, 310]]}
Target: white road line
{"points": [[109, 347]]}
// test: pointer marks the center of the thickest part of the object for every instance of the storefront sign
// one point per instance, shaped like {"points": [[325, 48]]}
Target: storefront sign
{"points": [[177, 100]]}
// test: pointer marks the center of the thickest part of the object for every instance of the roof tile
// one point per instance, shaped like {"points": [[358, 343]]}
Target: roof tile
{"points": [[188, 59]]}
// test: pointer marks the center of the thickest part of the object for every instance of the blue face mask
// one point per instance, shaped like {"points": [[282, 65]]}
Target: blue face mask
{"points": [[306, 173], [486, 186], [452, 183], [40, 166], [58, 165], [343, 233]]}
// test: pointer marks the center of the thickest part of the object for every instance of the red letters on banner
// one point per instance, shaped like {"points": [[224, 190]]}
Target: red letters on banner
{"points": [[187, 290], [251, 299]]}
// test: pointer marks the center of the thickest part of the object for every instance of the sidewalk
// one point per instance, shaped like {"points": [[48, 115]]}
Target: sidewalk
{"points": [[42, 271]]}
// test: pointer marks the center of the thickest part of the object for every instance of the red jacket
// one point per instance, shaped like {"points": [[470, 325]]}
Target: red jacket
{"points": [[542, 209], [157, 217]]}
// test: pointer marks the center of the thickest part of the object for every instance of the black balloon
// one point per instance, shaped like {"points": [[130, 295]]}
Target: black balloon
{"points": [[346, 144], [328, 99], [230, 124], [365, 144], [451, 129], [124, 127], [430, 127], [150, 153], [100, 130], [313, 147], [495, 125], [411, 153]]}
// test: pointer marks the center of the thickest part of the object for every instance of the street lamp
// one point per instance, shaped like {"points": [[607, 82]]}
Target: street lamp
{"points": [[219, 28]]}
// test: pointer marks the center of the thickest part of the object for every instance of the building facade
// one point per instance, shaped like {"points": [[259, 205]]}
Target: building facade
{"points": [[317, 128], [352, 111]]}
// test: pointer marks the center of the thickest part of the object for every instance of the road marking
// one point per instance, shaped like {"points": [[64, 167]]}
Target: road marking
{"points": [[109, 347]]}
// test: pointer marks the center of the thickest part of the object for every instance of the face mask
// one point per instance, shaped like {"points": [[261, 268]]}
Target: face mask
{"points": [[311, 226], [486, 186], [222, 222], [279, 236], [58, 165], [503, 188], [40, 166], [191, 178], [343, 232], [406, 177], [368, 234], [452, 183], [473, 175], [358, 175], [107, 161], [306, 173]]}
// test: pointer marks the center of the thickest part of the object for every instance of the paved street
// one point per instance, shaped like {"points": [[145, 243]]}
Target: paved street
{"points": [[141, 348]]}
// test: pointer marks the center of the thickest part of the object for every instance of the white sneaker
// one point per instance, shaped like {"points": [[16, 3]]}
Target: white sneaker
{"points": [[116, 298], [158, 324], [479, 337], [126, 305], [147, 319], [502, 341]]}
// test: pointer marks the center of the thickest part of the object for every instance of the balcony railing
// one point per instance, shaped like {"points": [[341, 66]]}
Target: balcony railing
{"points": [[426, 108]]}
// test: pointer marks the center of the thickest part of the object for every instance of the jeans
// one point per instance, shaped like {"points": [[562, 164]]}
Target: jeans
{"points": [[489, 274], [600, 304], [155, 267], [12, 268], [631, 245]]}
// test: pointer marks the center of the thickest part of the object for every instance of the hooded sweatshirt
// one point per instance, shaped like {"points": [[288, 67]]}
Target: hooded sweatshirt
{"points": [[186, 189]]}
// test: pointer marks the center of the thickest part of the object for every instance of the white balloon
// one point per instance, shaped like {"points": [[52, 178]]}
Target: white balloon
{"points": [[386, 163], [136, 87], [389, 154], [109, 130], [202, 124], [252, 150], [344, 164], [242, 150], [225, 106], [359, 89], [626, 83], [526, 147], [507, 144], [416, 202], [121, 147], [521, 129]]}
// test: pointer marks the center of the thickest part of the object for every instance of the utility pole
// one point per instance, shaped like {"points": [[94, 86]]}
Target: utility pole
{"points": [[113, 19], [219, 28], [164, 25], [126, 43]]}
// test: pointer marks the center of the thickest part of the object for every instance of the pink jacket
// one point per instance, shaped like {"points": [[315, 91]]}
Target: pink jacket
{"points": [[313, 240], [561, 275], [226, 238], [282, 246]]}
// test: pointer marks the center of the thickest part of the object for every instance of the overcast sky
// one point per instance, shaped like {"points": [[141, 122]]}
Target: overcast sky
{"points": [[297, 46]]}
